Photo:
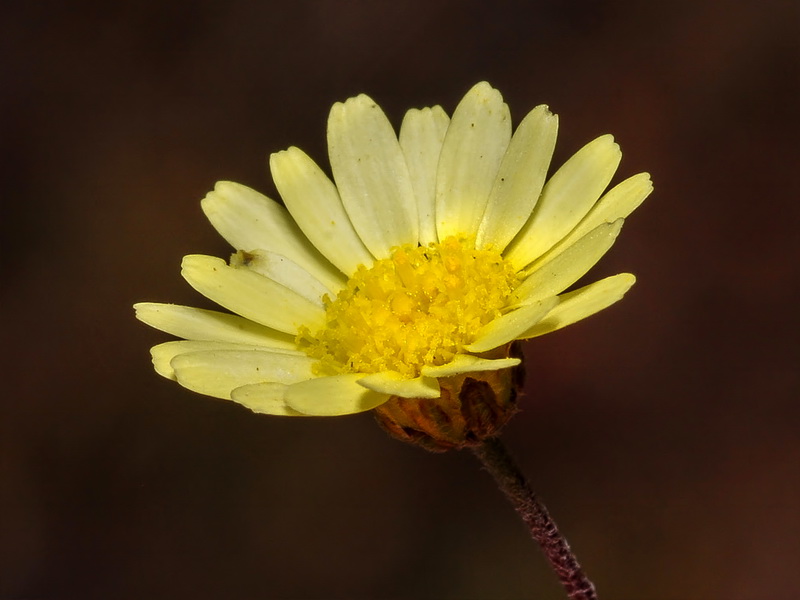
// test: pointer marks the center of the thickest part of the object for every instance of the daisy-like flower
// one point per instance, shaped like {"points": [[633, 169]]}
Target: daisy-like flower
{"points": [[402, 285]]}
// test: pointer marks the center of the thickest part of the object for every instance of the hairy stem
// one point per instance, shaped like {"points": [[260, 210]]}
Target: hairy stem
{"points": [[494, 456]]}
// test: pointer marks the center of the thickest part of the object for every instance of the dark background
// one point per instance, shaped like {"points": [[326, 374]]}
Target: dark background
{"points": [[663, 434]]}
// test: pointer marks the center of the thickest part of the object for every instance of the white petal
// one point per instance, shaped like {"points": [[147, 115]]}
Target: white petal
{"points": [[391, 382], [314, 202], [566, 199], [562, 270], [164, 353], [332, 396], [473, 147], [218, 372], [251, 221], [421, 137], [372, 176], [617, 203], [199, 324], [466, 363], [251, 295], [505, 329], [281, 270], [583, 303], [520, 179], [264, 398]]}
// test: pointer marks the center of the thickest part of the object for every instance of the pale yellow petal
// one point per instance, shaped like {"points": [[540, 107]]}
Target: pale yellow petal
{"points": [[314, 202], [508, 327], [218, 372], [562, 270], [251, 221], [421, 137], [395, 384], [281, 270], [619, 202], [264, 398], [565, 200], [210, 325], [473, 147], [164, 353], [520, 179], [251, 295], [466, 363], [583, 303], [332, 396], [372, 176]]}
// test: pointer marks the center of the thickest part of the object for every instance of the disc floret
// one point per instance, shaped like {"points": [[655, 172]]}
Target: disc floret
{"points": [[418, 307]]}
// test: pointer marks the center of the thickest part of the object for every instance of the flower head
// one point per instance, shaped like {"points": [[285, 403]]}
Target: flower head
{"points": [[403, 286]]}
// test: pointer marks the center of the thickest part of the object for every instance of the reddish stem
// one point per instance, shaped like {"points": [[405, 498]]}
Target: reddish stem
{"points": [[494, 456]]}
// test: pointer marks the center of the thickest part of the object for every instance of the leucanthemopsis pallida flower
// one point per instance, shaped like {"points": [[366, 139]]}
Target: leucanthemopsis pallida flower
{"points": [[402, 285]]}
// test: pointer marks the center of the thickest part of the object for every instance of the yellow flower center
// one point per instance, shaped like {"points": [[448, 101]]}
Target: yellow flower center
{"points": [[419, 307]]}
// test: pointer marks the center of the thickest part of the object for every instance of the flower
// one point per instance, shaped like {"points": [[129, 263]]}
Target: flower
{"points": [[403, 286]]}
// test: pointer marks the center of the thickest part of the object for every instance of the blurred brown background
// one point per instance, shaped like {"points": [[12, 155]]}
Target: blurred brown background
{"points": [[663, 434]]}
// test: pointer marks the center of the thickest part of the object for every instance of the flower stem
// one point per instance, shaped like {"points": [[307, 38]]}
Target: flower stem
{"points": [[494, 456]]}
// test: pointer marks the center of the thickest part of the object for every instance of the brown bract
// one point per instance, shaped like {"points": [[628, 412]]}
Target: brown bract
{"points": [[471, 408]]}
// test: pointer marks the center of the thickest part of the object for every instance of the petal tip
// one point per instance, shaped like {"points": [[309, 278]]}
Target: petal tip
{"points": [[545, 111], [483, 92], [355, 103]]}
